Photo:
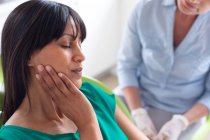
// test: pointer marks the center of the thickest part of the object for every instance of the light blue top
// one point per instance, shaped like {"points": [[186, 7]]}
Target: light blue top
{"points": [[173, 80]]}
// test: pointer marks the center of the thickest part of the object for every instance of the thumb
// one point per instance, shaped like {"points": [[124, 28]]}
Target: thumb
{"points": [[151, 136], [162, 136]]}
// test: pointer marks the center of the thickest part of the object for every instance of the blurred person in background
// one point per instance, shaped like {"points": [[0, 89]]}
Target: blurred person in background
{"points": [[164, 65]]}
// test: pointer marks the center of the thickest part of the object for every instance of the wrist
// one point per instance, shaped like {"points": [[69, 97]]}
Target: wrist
{"points": [[90, 131], [139, 115], [90, 120], [138, 111], [84, 125], [182, 119]]}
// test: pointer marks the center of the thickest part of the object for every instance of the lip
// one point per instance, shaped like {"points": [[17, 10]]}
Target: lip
{"points": [[189, 5], [77, 72]]}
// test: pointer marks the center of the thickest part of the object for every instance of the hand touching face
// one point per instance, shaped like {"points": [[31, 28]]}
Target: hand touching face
{"points": [[66, 96]]}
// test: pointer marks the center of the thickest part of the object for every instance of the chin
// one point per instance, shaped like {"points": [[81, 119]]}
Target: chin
{"points": [[78, 83], [187, 12]]}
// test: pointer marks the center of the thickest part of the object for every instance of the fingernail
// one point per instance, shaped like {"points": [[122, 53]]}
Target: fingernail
{"points": [[40, 67], [48, 68], [37, 76], [60, 74]]}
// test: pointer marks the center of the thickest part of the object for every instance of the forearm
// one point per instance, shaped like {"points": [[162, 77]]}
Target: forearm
{"points": [[131, 131], [139, 116], [132, 97], [91, 132], [196, 112], [173, 128]]}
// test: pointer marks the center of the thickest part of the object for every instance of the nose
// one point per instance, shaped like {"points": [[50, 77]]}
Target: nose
{"points": [[78, 55]]}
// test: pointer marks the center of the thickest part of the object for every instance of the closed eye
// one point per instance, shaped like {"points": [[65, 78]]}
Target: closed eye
{"points": [[66, 46]]}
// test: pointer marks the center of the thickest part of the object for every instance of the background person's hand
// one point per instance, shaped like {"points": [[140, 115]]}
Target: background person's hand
{"points": [[67, 97], [173, 128], [144, 123]]}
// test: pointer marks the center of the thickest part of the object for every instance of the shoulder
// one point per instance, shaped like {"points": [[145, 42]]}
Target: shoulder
{"points": [[92, 90], [144, 8], [147, 4], [98, 97], [9, 133]]}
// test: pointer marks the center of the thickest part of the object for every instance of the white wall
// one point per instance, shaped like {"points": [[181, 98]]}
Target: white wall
{"points": [[126, 8], [104, 20]]}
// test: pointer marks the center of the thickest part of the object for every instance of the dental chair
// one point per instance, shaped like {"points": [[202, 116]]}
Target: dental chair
{"points": [[108, 91]]}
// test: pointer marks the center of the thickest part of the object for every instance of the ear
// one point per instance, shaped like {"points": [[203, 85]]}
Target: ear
{"points": [[30, 64]]}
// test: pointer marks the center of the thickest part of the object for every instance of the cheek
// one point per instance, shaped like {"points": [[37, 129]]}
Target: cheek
{"points": [[59, 61], [179, 5]]}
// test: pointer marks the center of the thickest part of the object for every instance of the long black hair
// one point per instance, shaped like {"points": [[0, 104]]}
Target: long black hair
{"points": [[28, 28]]}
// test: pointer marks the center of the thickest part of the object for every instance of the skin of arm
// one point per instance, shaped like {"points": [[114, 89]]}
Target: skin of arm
{"points": [[196, 112], [131, 131], [132, 97], [91, 131]]}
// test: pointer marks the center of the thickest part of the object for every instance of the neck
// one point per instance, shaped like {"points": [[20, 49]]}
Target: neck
{"points": [[40, 113], [40, 107], [185, 17]]}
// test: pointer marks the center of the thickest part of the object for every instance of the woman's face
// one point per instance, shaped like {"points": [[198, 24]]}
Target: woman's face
{"points": [[193, 7], [64, 55]]}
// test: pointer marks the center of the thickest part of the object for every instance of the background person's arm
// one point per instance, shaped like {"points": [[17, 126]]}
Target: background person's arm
{"points": [[138, 113], [129, 58], [202, 107], [132, 97], [196, 112], [129, 62], [173, 128]]}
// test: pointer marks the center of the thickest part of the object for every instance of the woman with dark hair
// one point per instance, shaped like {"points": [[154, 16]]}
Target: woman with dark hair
{"points": [[42, 67]]}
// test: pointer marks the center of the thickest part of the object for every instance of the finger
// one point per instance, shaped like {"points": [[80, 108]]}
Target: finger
{"points": [[156, 138], [160, 137], [150, 135], [69, 84], [44, 86], [49, 82], [166, 136], [58, 82], [154, 130]]}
